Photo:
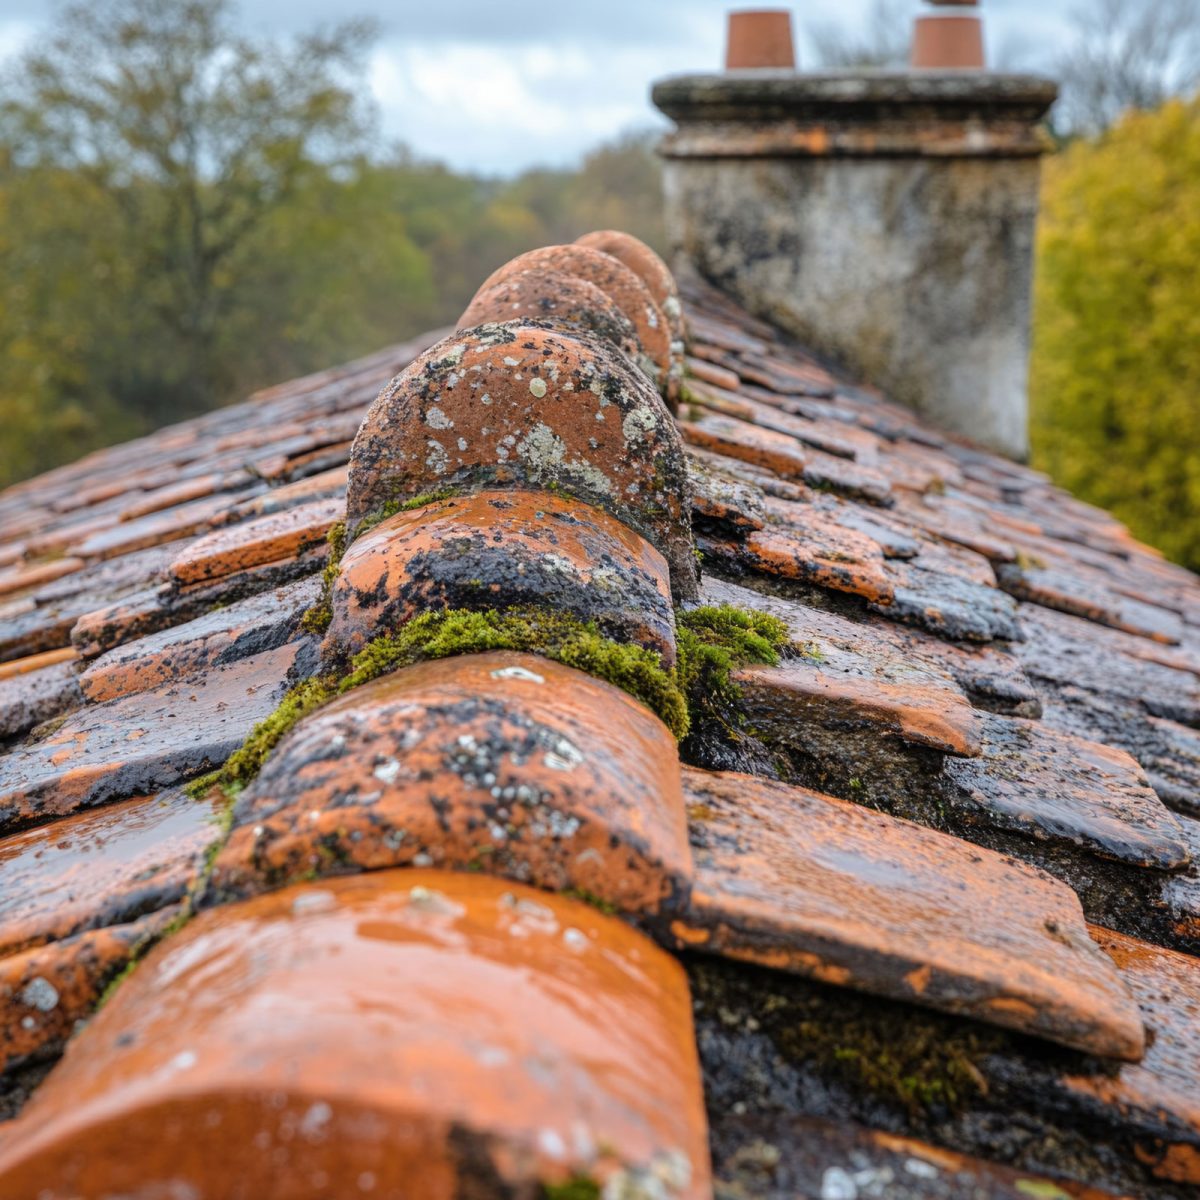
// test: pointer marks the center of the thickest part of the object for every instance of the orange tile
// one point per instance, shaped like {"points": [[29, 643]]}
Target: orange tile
{"points": [[647, 266], [791, 879], [1162, 1087], [269, 539], [45, 991], [504, 763], [31, 697], [411, 1033], [498, 549], [615, 280], [566, 300], [824, 554], [251, 626], [153, 529], [35, 662], [526, 407], [1053, 786], [141, 743], [100, 868], [20, 579]]}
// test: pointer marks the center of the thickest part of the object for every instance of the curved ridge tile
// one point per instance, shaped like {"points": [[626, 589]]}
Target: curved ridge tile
{"points": [[408, 1032], [523, 406]]}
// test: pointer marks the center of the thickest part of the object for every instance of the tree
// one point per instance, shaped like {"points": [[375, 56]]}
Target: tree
{"points": [[1127, 54], [885, 42], [188, 139], [1116, 360]]}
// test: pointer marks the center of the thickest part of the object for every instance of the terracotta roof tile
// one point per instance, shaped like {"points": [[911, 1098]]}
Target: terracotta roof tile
{"points": [[251, 626], [519, 547], [141, 742], [487, 1037], [100, 868], [504, 763], [1051, 785], [792, 879]]}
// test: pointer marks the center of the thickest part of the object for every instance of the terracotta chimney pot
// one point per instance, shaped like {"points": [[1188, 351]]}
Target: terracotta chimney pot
{"points": [[760, 38], [949, 41]]}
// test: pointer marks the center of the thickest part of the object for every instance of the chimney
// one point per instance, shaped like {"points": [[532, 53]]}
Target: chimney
{"points": [[885, 218]]}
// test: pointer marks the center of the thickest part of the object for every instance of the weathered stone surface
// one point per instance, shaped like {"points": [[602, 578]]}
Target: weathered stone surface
{"points": [[1070, 651], [251, 626], [781, 190], [622, 285], [409, 1033], [154, 529], [824, 554], [25, 578], [552, 296], [950, 606], [100, 868], [522, 406], [1049, 785], [795, 880], [505, 763], [141, 743], [501, 549], [1071, 589]]}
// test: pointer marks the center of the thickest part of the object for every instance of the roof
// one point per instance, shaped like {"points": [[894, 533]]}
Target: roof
{"points": [[910, 910]]}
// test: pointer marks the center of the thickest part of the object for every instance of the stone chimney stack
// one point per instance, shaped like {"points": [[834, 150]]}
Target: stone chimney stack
{"points": [[886, 218]]}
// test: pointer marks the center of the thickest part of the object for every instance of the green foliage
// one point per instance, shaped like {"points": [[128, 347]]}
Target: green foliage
{"points": [[1116, 362], [188, 214]]}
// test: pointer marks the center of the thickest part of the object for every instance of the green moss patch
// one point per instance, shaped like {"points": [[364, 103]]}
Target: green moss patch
{"points": [[712, 643], [579, 1188]]}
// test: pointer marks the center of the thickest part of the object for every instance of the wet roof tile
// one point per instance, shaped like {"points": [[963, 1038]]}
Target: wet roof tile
{"points": [[1051, 785], [141, 742], [269, 539], [1167, 986], [548, 776], [878, 541], [100, 868], [513, 1036], [251, 626], [792, 879]]}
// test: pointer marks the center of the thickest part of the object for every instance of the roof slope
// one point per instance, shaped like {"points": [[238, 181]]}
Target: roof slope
{"points": [[925, 852]]}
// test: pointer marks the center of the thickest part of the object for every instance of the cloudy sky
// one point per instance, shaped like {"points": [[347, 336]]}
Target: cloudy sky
{"points": [[498, 85]]}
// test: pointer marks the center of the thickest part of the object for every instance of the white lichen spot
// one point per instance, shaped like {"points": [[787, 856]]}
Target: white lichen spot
{"points": [[651, 317], [315, 1121], [437, 460], [429, 900], [387, 771], [185, 1060], [596, 385], [551, 1143], [41, 994], [312, 900], [601, 415], [563, 755], [435, 418], [560, 564], [537, 387], [672, 307], [922, 1170], [837, 1184], [485, 398], [521, 673], [575, 939], [455, 354], [509, 361], [28, 1023], [462, 444]]}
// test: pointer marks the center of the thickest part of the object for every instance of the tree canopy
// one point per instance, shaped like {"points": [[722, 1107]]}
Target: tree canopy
{"points": [[187, 214], [1116, 363]]}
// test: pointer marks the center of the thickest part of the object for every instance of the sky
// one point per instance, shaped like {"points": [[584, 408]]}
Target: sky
{"points": [[496, 86]]}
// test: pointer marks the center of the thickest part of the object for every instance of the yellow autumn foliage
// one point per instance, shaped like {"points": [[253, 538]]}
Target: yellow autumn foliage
{"points": [[1115, 385]]}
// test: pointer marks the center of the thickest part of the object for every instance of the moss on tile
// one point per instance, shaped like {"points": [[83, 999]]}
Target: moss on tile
{"points": [[712, 642], [579, 1187]]}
